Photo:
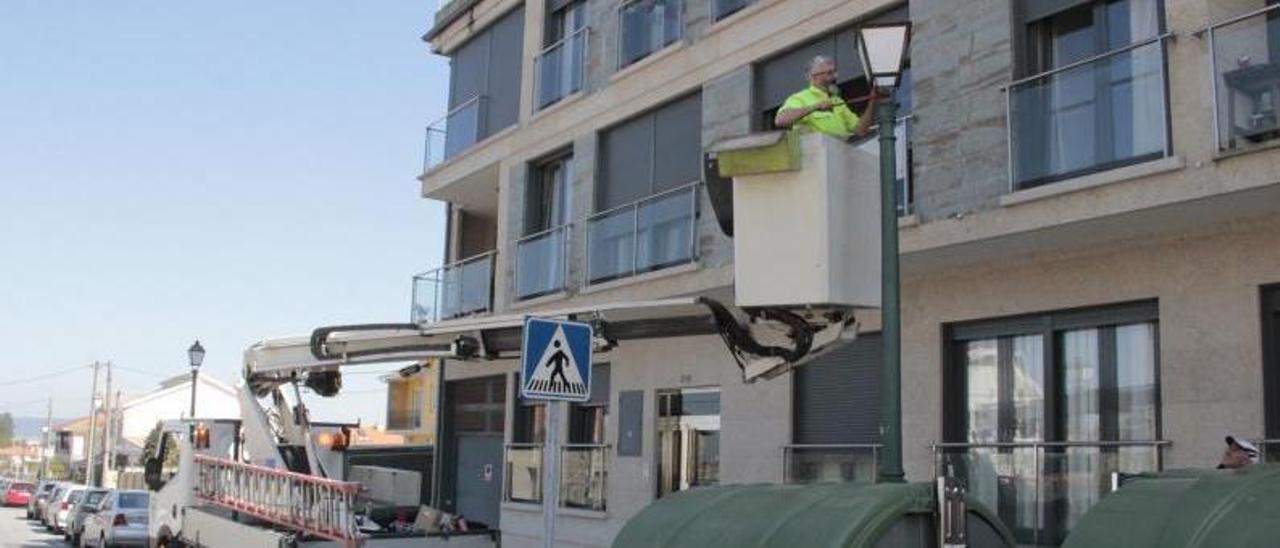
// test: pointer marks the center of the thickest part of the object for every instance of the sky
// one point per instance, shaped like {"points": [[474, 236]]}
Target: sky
{"points": [[225, 171]]}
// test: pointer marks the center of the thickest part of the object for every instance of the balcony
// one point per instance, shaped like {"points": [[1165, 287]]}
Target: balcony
{"points": [[454, 290], [455, 132], [1245, 58], [1091, 115], [1041, 489], [583, 477], [826, 463], [650, 234], [559, 69], [523, 481], [648, 26], [542, 263]]}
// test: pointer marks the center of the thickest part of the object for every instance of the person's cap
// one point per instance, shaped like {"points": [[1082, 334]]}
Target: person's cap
{"points": [[1242, 443]]}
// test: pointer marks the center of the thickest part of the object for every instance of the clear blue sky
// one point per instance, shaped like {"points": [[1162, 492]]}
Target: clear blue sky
{"points": [[229, 171]]}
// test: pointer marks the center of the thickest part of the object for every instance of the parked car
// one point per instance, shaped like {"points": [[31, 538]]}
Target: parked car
{"points": [[121, 520], [18, 493], [79, 513], [62, 507], [47, 508], [41, 493]]}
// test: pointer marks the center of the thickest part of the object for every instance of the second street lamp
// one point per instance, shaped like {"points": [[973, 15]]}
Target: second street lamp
{"points": [[195, 356], [883, 51]]}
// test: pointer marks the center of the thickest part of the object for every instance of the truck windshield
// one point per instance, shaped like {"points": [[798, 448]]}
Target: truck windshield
{"points": [[133, 500]]}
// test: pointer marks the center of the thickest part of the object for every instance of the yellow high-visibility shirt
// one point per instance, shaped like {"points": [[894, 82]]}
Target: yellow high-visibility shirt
{"points": [[839, 121]]}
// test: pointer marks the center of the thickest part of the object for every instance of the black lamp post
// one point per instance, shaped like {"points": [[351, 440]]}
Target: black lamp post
{"points": [[883, 50], [195, 355]]}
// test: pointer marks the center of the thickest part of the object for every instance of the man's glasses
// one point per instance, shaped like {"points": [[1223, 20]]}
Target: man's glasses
{"points": [[831, 72]]}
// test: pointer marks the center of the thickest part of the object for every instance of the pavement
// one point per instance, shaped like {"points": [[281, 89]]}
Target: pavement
{"points": [[17, 532]]}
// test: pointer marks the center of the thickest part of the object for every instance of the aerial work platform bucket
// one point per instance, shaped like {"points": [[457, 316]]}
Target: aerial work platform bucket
{"points": [[806, 216]]}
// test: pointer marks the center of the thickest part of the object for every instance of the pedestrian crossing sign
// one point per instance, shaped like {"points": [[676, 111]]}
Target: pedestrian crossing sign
{"points": [[555, 360]]}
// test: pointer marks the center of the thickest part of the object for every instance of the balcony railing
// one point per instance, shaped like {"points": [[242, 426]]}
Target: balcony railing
{"points": [[646, 235], [523, 480], [827, 463], [724, 8], [648, 26], [542, 263], [1091, 115], [456, 131], [1041, 489], [1244, 57], [560, 68], [454, 290], [583, 476]]}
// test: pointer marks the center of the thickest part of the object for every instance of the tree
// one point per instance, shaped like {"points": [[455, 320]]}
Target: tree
{"points": [[6, 429]]}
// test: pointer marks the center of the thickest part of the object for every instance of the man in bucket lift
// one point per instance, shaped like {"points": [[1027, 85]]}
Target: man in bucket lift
{"points": [[820, 108]]}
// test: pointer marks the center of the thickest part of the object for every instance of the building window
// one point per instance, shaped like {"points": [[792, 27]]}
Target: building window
{"points": [[484, 83], [524, 453], [1095, 95], [836, 415], [647, 194], [561, 62], [688, 439], [780, 76], [584, 469], [1246, 70], [1085, 377], [1271, 368], [405, 404], [542, 254], [648, 26]]}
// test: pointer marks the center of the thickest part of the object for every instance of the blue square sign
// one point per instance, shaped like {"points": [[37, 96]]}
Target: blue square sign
{"points": [[555, 360]]}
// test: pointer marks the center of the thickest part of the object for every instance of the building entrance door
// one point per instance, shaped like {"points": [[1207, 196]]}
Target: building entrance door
{"points": [[479, 474]]}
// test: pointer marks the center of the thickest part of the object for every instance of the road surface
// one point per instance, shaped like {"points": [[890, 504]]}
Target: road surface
{"points": [[17, 532]]}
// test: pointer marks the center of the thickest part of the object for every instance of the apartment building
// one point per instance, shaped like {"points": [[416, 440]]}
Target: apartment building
{"points": [[411, 410], [1089, 197]]}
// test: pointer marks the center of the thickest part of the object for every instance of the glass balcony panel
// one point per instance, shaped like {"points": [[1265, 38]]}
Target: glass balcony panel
{"points": [[583, 477], [524, 473], [648, 26], [462, 288], [1246, 72], [611, 245], [541, 263], [456, 132], [664, 230], [1098, 115], [560, 68], [834, 463]]}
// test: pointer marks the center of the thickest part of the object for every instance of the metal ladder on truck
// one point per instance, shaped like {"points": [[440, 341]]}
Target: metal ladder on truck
{"points": [[311, 505]]}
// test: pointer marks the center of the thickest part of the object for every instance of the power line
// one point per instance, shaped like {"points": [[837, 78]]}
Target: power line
{"points": [[141, 371], [42, 377]]}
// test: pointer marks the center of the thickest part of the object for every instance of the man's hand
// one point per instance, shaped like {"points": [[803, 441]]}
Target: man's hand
{"points": [[821, 105]]}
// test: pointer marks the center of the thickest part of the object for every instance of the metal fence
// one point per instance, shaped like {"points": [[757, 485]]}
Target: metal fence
{"points": [[813, 463], [1041, 489]]}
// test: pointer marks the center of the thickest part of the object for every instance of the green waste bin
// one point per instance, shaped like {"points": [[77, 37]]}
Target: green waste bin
{"points": [[844, 515]]}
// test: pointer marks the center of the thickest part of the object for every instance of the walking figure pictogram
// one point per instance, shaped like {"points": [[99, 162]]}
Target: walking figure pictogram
{"points": [[558, 360]]}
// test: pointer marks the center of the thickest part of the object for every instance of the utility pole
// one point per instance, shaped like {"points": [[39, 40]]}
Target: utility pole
{"points": [[106, 430], [93, 428], [44, 446], [113, 436]]}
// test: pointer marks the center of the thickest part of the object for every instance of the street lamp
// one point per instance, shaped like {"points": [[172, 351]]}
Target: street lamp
{"points": [[195, 355], [883, 50]]}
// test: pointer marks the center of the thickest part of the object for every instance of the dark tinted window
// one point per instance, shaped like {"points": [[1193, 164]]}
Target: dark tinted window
{"points": [[133, 500]]}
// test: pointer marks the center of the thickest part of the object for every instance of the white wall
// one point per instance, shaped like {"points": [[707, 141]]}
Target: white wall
{"points": [[175, 403]]}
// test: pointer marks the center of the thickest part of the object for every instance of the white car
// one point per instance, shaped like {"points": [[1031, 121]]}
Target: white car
{"points": [[58, 509], [121, 520]]}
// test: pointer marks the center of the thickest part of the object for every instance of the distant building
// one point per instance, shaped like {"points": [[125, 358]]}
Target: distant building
{"points": [[411, 409]]}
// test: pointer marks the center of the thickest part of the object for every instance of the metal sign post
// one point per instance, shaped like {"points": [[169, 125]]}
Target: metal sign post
{"points": [[555, 367]]}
